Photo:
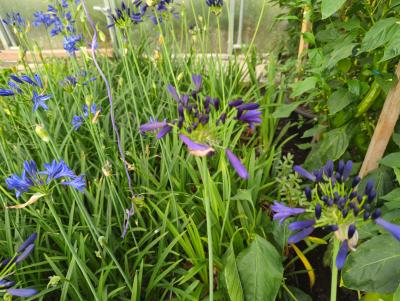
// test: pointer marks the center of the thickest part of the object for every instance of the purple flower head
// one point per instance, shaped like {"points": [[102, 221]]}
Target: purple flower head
{"points": [[22, 292], [304, 173], [299, 236], [236, 164], [342, 255], [392, 228], [300, 225], [39, 101], [78, 183], [282, 212]]}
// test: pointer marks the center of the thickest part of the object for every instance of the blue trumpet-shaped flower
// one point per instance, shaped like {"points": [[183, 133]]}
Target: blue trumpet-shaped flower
{"points": [[34, 180], [282, 212]]}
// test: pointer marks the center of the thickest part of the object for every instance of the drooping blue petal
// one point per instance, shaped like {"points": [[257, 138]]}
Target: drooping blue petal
{"points": [[392, 228], [30, 240], [197, 80], [300, 225], [342, 255], [22, 292], [6, 92], [77, 183], [172, 91], [164, 131], [152, 126], [282, 212], [304, 173], [236, 164], [299, 236], [28, 250]]}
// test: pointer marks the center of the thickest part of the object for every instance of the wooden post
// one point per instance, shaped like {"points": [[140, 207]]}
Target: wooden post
{"points": [[306, 26], [384, 129]]}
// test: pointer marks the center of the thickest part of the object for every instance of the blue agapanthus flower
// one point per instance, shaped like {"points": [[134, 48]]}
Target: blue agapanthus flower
{"points": [[29, 87], [215, 6], [93, 113], [335, 205], [200, 122], [71, 43], [8, 265], [41, 181], [15, 20]]}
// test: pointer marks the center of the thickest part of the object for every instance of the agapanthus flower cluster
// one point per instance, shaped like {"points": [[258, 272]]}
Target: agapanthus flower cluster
{"points": [[215, 6], [335, 205], [82, 79], [202, 122], [58, 18], [15, 20], [30, 87], [40, 182], [125, 16], [93, 114], [8, 265]]}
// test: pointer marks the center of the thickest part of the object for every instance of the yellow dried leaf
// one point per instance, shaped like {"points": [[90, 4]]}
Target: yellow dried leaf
{"points": [[306, 263]]}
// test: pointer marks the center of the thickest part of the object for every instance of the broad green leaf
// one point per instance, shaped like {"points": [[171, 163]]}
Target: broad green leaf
{"points": [[232, 279], [394, 195], [382, 178], [340, 53], [393, 48], [284, 110], [303, 86], [379, 34], [332, 146], [378, 297], [329, 7], [338, 101], [261, 271], [309, 37], [298, 293], [391, 160], [374, 267]]}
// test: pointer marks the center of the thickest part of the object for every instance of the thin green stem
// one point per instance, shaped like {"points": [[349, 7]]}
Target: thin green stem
{"points": [[334, 269]]}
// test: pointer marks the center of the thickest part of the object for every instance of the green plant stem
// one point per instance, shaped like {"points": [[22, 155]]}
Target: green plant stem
{"points": [[334, 269]]}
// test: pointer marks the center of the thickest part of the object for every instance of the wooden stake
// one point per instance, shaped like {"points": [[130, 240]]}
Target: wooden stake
{"points": [[384, 129], [306, 26]]}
